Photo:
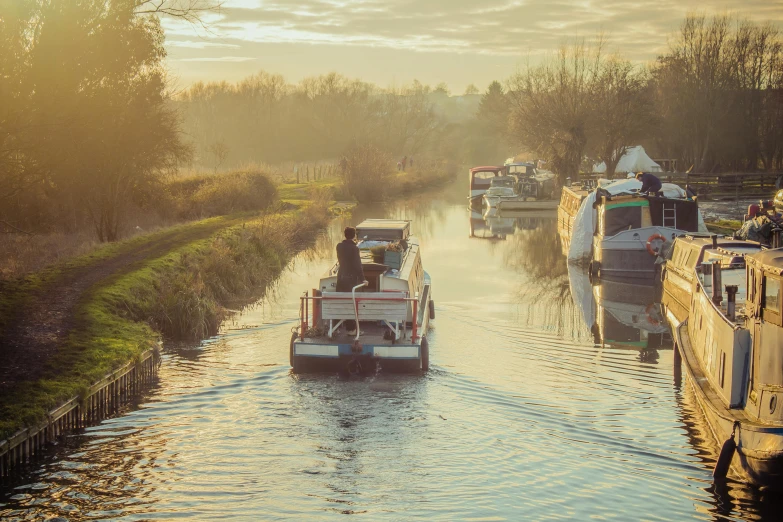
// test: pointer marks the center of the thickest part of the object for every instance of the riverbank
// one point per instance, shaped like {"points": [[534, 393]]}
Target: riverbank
{"points": [[67, 327]]}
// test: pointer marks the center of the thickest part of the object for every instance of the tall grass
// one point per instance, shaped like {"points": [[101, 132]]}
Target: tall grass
{"points": [[186, 298], [206, 195]]}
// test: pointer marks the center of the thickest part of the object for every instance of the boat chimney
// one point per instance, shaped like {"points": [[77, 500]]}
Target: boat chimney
{"points": [[731, 306], [716, 283], [715, 241]]}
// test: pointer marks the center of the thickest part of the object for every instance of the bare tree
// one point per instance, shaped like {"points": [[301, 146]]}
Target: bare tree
{"points": [[624, 113], [190, 10], [552, 106], [219, 151]]}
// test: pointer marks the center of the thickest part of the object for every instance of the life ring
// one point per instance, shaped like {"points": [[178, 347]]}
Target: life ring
{"points": [[650, 318], [649, 243]]}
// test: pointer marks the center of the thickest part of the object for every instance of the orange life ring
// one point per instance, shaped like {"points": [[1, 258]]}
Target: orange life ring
{"points": [[649, 243]]}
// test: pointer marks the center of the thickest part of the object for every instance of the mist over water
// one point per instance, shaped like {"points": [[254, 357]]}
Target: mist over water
{"points": [[539, 405]]}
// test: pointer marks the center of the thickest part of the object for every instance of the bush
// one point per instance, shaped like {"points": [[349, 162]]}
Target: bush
{"points": [[206, 195], [365, 170]]}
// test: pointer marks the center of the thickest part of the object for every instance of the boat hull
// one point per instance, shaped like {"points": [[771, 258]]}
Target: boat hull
{"points": [[759, 455], [518, 203], [625, 256]]}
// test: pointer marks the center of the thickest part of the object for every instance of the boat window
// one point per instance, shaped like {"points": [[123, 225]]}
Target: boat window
{"points": [[619, 217], [771, 294]]}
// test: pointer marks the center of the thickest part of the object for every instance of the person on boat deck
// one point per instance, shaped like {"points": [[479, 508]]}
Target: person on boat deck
{"points": [[349, 271], [650, 183]]}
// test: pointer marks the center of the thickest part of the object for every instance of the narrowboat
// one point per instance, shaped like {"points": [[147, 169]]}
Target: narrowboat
{"points": [[731, 345], [571, 198], [631, 231], [393, 309], [480, 180], [690, 251]]}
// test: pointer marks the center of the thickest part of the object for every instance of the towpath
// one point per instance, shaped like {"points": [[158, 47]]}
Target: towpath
{"points": [[41, 325]]}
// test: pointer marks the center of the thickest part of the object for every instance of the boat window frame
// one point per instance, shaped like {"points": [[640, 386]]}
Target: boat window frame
{"points": [[772, 315]]}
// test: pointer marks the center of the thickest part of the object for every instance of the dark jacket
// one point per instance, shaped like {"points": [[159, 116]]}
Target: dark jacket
{"points": [[349, 272], [650, 183]]}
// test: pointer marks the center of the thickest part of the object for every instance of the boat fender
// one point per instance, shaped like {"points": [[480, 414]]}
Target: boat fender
{"points": [[726, 454], [652, 238]]}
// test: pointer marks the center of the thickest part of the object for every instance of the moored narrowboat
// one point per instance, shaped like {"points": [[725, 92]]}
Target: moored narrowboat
{"points": [[571, 198], [392, 309], [690, 251], [731, 343], [632, 230]]}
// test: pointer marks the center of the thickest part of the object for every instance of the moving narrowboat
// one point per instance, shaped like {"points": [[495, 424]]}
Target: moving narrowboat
{"points": [[393, 309], [731, 346]]}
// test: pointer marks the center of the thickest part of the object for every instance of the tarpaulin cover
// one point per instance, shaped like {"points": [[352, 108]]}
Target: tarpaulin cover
{"points": [[584, 223], [635, 159]]}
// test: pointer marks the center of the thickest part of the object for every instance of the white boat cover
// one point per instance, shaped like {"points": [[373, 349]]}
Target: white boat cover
{"points": [[584, 224], [635, 159], [582, 294]]}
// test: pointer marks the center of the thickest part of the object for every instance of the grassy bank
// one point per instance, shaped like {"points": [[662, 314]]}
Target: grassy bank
{"points": [[178, 292], [723, 226]]}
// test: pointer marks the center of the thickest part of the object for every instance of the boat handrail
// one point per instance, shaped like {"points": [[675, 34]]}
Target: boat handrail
{"points": [[304, 309]]}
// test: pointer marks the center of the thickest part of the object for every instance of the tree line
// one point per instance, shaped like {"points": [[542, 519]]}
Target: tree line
{"points": [[713, 101], [85, 112]]}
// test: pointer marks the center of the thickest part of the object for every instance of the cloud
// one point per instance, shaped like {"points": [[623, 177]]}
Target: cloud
{"points": [[234, 59], [489, 31], [497, 27]]}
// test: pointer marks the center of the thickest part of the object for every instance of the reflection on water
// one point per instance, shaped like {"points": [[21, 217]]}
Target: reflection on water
{"points": [[535, 408]]}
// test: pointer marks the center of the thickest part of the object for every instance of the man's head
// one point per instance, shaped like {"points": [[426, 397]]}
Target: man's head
{"points": [[639, 175], [349, 232]]}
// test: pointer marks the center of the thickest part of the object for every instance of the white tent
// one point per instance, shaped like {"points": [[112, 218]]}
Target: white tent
{"points": [[635, 159]]}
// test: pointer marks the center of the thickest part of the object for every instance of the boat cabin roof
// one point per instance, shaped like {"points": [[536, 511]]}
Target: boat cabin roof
{"points": [[692, 249], [768, 260], [488, 169], [383, 229], [624, 211]]}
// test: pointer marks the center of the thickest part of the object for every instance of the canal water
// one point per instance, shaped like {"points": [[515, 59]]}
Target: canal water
{"points": [[547, 399]]}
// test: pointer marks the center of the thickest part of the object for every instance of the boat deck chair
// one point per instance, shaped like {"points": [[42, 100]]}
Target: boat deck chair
{"points": [[389, 307]]}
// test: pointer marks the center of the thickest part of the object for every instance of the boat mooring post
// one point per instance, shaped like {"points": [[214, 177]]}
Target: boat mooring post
{"points": [[731, 296], [716, 284]]}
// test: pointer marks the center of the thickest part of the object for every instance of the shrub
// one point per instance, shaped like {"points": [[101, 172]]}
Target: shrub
{"points": [[365, 170], [207, 195]]}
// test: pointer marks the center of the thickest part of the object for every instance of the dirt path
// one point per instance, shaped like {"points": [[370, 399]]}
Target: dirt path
{"points": [[44, 322]]}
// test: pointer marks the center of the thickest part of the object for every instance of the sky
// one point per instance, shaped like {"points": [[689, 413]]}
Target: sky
{"points": [[393, 42]]}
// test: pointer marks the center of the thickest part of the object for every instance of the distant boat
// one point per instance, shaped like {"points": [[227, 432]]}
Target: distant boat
{"points": [[480, 179], [521, 192]]}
